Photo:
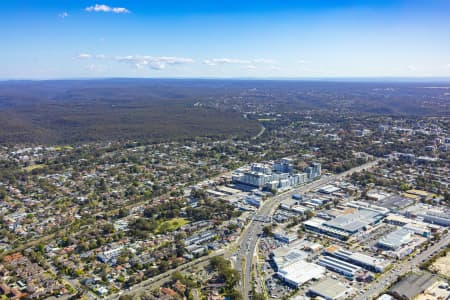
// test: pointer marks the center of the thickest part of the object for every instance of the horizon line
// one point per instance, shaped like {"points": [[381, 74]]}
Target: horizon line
{"points": [[347, 78]]}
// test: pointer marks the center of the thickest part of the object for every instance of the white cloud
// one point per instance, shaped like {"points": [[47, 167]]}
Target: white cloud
{"points": [[412, 68], [63, 15], [140, 62], [88, 56], [303, 62], [221, 61], [249, 62], [265, 61], [84, 55], [106, 8], [448, 66], [155, 63]]}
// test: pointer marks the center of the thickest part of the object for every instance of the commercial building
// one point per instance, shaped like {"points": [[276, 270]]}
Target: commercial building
{"points": [[253, 201], [417, 227], [283, 166], [285, 237], [319, 226], [285, 256], [329, 189], [395, 202], [292, 205], [330, 289], [295, 274], [314, 171], [297, 197], [278, 175], [412, 285], [339, 266], [361, 205], [365, 261], [355, 222], [395, 240], [430, 214], [287, 204]]}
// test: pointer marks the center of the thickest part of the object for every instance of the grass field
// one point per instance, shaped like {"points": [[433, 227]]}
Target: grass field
{"points": [[59, 148], [34, 167], [171, 225]]}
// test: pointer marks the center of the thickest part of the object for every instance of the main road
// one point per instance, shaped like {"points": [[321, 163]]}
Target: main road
{"points": [[403, 267], [249, 239]]}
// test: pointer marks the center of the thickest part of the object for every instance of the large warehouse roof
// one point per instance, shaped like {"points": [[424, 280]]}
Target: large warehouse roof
{"points": [[354, 222], [395, 239], [301, 272], [329, 289]]}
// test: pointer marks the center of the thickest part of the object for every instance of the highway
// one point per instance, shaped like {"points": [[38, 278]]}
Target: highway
{"points": [[403, 267], [248, 242]]}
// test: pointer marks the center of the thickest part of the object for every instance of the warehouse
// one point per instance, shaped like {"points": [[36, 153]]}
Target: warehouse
{"points": [[318, 225], [395, 239], [295, 275], [285, 256], [355, 222], [339, 266], [329, 289], [367, 262], [412, 285], [329, 189], [430, 214]]}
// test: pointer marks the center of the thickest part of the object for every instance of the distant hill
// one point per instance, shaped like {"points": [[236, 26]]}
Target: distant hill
{"points": [[71, 111]]}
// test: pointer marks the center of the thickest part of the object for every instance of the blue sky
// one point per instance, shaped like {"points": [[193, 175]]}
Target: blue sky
{"points": [[43, 39]]}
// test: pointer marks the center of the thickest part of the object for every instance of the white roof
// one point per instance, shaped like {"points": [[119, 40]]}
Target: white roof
{"points": [[301, 271]]}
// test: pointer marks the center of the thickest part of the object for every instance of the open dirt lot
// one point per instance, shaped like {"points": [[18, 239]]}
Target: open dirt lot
{"points": [[442, 265]]}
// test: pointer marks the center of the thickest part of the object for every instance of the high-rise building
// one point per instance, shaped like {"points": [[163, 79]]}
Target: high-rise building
{"points": [[314, 171]]}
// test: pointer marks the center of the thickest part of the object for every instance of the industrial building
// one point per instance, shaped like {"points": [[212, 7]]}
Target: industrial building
{"points": [[319, 226], [362, 205], [395, 240], [430, 214], [395, 202], [412, 285], [294, 274], [417, 227], [346, 224], [367, 262], [287, 204], [339, 266], [356, 221], [293, 205], [285, 256], [329, 189], [253, 201], [330, 289], [285, 237]]}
